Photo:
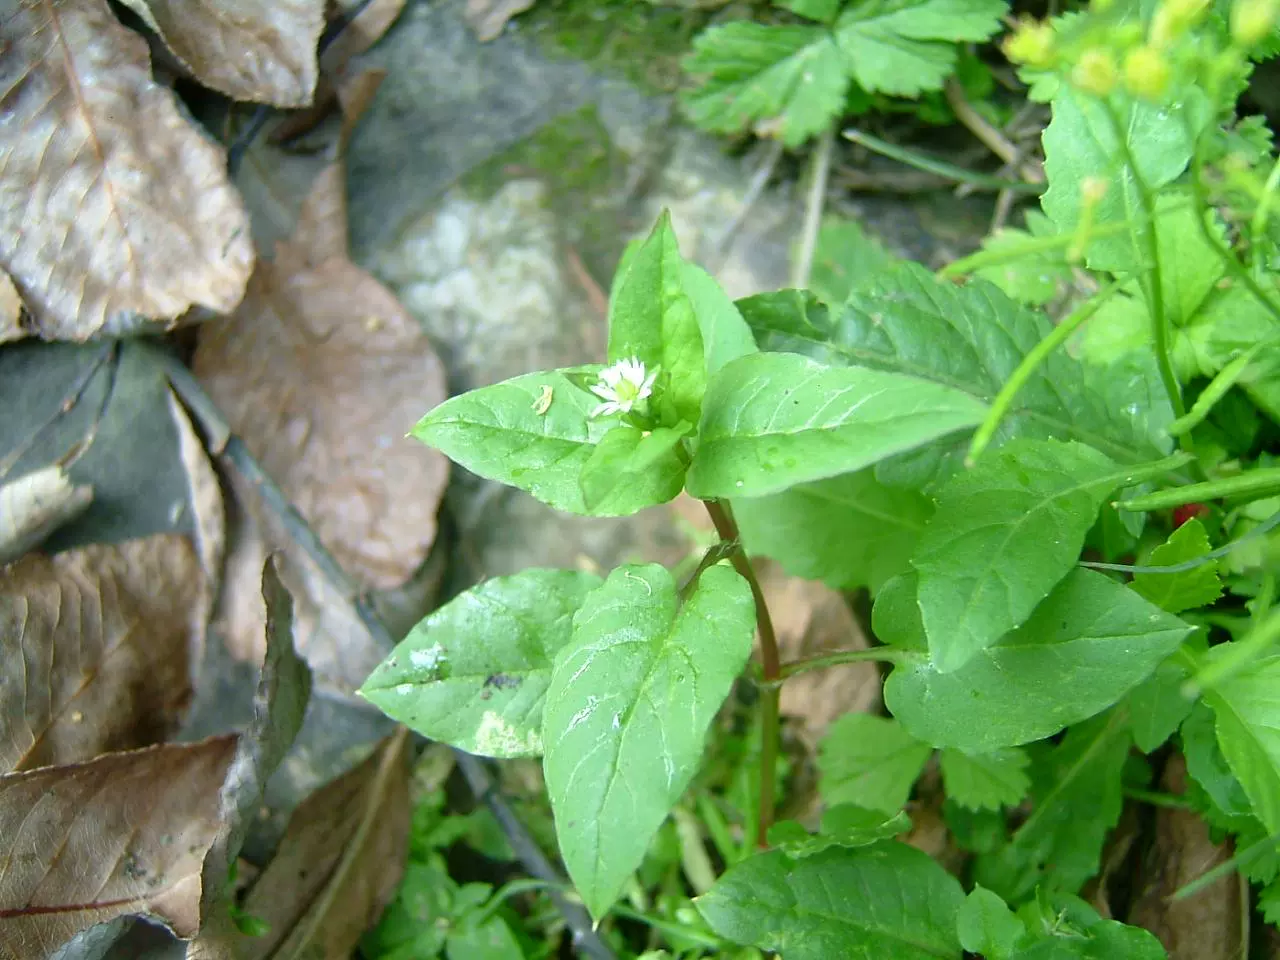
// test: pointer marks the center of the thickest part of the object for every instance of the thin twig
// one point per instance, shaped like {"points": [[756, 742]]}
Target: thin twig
{"points": [[933, 165], [237, 454], [720, 249], [993, 139], [819, 173]]}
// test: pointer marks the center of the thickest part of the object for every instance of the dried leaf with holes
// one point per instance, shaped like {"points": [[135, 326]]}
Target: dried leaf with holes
{"points": [[120, 835], [34, 506], [261, 50], [96, 649], [112, 204]]}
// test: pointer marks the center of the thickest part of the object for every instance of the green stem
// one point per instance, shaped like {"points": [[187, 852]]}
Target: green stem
{"points": [[835, 658], [1218, 387], [1236, 656], [669, 928], [1036, 356], [938, 167], [1153, 281], [722, 516], [1156, 799], [1258, 226], [1255, 484]]}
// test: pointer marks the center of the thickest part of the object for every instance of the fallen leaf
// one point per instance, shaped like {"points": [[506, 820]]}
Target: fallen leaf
{"points": [[10, 310], [260, 50], [209, 519], [1205, 925], [113, 204], [35, 505], [120, 835], [488, 17], [338, 863], [96, 651]]}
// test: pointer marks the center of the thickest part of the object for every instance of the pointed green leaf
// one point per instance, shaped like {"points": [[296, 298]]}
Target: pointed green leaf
{"points": [[1077, 796], [850, 531], [869, 761], [884, 902], [725, 334], [475, 673], [987, 926], [1207, 765], [1186, 589], [1063, 927], [824, 11], [771, 421], [1247, 709], [635, 467], [652, 319], [1087, 644], [1157, 706], [1004, 533], [630, 701], [844, 825], [985, 781]]}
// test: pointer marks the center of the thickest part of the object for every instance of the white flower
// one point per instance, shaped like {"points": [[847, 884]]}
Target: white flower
{"points": [[621, 387]]}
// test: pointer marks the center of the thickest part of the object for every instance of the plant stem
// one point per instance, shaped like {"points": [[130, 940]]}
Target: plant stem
{"points": [[770, 664], [1035, 356], [834, 658], [819, 173], [1157, 799], [1154, 281], [937, 167], [1258, 227]]}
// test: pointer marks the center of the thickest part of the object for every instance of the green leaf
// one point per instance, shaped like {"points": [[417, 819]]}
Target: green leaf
{"points": [[895, 618], [491, 940], [970, 338], [987, 926], [1067, 928], [905, 47], [1034, 279], [844, 825], [474, 673], [498, 433], [1004, 534], [789, 80], [824, 11], [725, 334], [651, 317], [885, 902], [985, 781], [1186, 589], [772, 420], [633, 466], [1269, 902], [850, 531], [1087, 644], [1081, 142], [844, 259], [1207, 765], [1247, 709], [869, 761], [1078, 794], [627, 711], [1157, 706]]}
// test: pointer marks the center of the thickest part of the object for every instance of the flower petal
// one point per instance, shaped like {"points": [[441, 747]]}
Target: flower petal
{"points": [[604, 392]]}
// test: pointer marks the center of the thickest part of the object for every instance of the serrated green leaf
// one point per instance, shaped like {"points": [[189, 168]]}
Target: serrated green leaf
{"points": [[627, 711], [1078, 794], [985, 781], [790, 80], [1157, 706], [651, 318], [975, 831], [970, 338], [1247, 710], [884, 902], [1207, 765], [725, 335], [844, 825], [498, 433], [905, 47], [850, 531], [1004, 534], [772, 420], [1063, 927], [475, 672], [824, 11], [1034, 279], [987, 926], [869, 761], [635, 464], [1269, 902], [844, 259], [1081, 142], [1186, 589], [1087, 644]]}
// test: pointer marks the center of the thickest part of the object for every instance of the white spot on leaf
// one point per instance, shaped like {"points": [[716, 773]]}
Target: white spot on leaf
{"points": [[495, 737]]}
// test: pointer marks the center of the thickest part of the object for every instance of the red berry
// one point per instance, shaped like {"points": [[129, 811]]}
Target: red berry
{"points": [[1185, 512]]}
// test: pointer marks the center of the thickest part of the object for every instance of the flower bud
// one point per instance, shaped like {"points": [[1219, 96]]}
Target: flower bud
{"points": [[1173, 18], [1031, 43], [1095, 72], [1146, 73], [1253, 20]]}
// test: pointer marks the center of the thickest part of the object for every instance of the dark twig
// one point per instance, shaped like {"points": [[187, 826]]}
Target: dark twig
{"points": [[233, 450]]}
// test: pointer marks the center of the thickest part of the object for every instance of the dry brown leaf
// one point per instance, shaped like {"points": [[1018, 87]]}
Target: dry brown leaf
{"points": [[339, 862], [10, 310], [120, 835], [34, 506], [96, 649], [113, 203], [488, 17], [210, 520], [1206, 925], [261, 50]]}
